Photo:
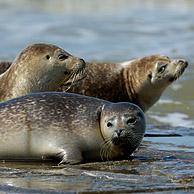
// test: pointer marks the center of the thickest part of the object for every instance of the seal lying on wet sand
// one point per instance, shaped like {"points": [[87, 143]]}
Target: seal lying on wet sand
{"points": [[39, 67], [69, 127]]}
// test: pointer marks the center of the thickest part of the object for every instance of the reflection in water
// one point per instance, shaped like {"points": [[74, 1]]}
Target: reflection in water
{"points": [[112, 30]]}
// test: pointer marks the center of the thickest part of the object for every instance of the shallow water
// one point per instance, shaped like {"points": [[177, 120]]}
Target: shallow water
{"points": [[112, 30]]}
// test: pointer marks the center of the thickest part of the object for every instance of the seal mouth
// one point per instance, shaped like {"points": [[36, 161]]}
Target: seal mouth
{"points": [[182, 65], [126, 144], [74, 78], [119, 137]]}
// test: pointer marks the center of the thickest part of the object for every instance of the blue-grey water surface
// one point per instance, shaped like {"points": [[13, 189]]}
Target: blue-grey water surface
{"points": [[114, 30]]}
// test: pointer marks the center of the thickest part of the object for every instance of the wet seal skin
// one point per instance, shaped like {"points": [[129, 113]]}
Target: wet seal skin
{"points": [[39, 67], [141, 81], [70, 128]]}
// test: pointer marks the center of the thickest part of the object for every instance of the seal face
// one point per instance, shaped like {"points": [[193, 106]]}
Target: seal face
{"points": [[167, 71], [39, 67], [146, 79], [119, 129], [68, 127]]}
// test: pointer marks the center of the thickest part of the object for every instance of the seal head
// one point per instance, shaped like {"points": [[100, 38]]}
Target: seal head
{"points": [[39, 67], [122, 126], [145, 79], [166, 71]]}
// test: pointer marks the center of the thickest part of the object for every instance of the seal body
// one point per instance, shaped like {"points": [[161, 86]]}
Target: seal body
{"points": [[39, 67], [69, 127], [141, 81]]}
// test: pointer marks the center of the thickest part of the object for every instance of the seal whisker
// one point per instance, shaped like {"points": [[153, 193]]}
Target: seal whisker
{"points": [[61, 156], [74, 76], [102, 150], [108, 146], [108, 150], [133, 141], [105, 148], [73, 79]]}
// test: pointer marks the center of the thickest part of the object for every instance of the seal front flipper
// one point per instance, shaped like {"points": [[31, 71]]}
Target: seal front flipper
{"points": [[70, 156]]}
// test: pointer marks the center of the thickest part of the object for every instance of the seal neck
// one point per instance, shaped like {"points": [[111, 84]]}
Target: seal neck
{"points": [[128, 86]]}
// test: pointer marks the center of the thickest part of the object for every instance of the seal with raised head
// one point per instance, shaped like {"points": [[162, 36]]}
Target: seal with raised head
{"points": [[69, 127], [141, 81], [39, 67]]}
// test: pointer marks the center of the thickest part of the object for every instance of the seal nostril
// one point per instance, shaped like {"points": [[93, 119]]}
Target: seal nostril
{"points": [[183, 61], [119, 131], [82, 61], [186, 63]]}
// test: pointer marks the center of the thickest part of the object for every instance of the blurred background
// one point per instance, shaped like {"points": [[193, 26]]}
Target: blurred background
{"points": [[114, 30]]}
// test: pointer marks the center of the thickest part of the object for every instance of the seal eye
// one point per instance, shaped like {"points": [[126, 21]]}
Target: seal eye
{"points": [[162, 68], [62, 57], [109, 124], [150, 76], [48, 57], [131, 120]]}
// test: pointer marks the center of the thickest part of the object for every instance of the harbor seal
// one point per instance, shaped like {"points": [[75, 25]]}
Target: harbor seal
{"points": [[69, 127], [141, 81], [39, 67]]}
